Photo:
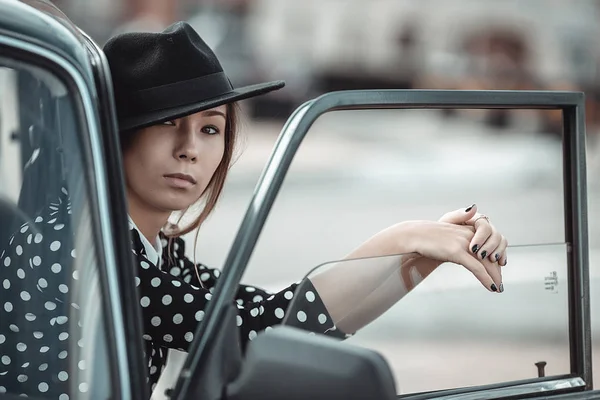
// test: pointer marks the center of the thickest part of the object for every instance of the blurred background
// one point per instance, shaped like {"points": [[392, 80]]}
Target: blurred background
{"points": [[322, 45], [358, 172]]}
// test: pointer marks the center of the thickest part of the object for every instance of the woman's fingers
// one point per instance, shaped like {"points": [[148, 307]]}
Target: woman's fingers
{"points": [[496, 252], [478, 269], [483, 230], [494, 271], [447, 242], [489, 248], [491, 244], [460, 216], [487, 241], [501, 252], [464, 231]]}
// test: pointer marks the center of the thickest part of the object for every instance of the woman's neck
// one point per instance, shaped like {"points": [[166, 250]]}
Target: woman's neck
{"points": [[149, 222]]}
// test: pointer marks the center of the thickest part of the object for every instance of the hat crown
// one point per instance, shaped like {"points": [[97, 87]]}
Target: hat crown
{"points": [[143, 60], [168, 75]]}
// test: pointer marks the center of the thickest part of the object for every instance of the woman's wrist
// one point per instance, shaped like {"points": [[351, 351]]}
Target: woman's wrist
{"points": [[408, 236], [401, 238]]}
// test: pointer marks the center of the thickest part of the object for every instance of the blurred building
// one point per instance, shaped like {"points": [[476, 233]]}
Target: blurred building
{"points": [[324, 45]]}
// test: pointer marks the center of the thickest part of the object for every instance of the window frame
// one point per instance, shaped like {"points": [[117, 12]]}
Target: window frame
{"points": [[30, 51], [132, 313], [575, 212]]}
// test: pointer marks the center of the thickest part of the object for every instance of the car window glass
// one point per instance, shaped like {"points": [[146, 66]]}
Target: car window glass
{"points": [[450, 333], [53, 341], [358, 172]]}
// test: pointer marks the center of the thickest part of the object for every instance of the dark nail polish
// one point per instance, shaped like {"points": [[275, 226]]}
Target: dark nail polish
{"points": [[497, 257], [494, 288], [483, 254], [501, 287], [475, 248], [470, 208]]}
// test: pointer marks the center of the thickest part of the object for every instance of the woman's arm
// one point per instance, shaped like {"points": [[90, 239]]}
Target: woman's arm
{"points": [[413, 270], [357, 292]]}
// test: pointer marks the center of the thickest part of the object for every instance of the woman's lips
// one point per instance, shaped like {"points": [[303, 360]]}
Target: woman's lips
{"points": [[181, 181]]}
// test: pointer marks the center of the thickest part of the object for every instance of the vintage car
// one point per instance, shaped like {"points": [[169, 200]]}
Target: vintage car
{"points": [[59, 140]]}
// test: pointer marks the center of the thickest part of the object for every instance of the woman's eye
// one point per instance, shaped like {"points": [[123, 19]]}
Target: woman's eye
{"points": [[210, 130], [171, 123]]}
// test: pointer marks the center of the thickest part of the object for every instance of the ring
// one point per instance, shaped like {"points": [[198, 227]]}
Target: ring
{"points": [[480, 217]]}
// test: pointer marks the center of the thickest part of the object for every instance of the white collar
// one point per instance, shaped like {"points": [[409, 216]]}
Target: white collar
{"points": [[153, 252]]}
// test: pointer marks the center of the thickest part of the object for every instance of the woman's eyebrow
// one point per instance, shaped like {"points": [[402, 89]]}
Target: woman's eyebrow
{"points": [[212, 113]]}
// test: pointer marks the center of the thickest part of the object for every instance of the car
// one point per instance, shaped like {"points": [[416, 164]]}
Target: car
{"points": [[59, 143]]}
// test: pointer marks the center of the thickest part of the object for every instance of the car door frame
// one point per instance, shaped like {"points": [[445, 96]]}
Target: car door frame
{"points": [[575, 211], [121, 239], [74, 59]]}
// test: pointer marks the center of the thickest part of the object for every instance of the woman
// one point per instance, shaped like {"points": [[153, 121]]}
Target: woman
{"points": [[178, 119], [178, 122]]}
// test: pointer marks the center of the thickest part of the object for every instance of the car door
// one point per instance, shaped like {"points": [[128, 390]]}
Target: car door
{"points": [[69, 325], [212, 336]]}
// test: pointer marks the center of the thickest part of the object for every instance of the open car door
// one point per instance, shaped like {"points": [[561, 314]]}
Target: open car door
{"points": [[284, 363]]}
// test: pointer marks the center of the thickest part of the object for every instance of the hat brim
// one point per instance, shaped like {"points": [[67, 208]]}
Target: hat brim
{"points": [[237, 94]]}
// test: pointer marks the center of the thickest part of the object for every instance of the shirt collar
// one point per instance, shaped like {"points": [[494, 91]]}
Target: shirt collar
{"points": [[153, 252]]}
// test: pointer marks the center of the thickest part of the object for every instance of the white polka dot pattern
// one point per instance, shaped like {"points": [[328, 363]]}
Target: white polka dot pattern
{"points": [[36, 273], [172, 300]]}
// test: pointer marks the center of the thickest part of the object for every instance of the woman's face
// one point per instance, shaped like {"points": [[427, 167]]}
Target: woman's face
{"points": [[168, 166]]}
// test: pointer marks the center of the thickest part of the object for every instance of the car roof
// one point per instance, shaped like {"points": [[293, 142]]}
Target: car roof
{"points": [[41, 23]]}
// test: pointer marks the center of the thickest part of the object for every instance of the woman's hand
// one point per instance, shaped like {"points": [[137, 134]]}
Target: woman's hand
{"points": [[486, 244], [356, 296], [449, 242], [487, 241]]}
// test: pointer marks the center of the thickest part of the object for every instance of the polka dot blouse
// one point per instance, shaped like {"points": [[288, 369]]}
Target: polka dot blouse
{"points": [[36, 342]]}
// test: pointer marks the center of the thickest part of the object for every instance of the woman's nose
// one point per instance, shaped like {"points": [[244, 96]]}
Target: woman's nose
{"points": [[188, 149]]}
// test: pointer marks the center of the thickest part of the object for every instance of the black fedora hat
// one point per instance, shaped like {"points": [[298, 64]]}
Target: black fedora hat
{"points": [[162, 76]]}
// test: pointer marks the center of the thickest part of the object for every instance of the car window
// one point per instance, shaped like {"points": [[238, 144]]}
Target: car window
{"points": [[439, 336], [53, 338], [358, 172]]}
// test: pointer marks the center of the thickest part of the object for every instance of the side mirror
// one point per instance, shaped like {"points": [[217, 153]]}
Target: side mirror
{"points": [[287, 363]]}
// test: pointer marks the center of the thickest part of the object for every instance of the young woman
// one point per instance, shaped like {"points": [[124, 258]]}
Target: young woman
{"points": [[178, 125]]}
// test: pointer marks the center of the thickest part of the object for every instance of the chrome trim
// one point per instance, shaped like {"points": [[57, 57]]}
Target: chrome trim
{"points": [[283, 142], [518, 390], [112, 289], [577, 235]]}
